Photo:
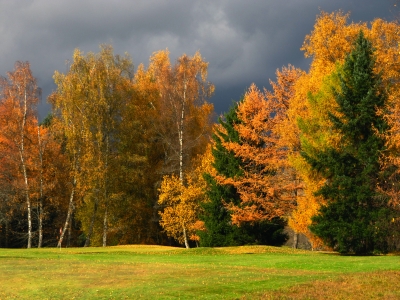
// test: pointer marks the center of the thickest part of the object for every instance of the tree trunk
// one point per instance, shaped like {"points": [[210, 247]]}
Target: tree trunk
{"points": [[186, 239], [70, 210], [24, 172], [40, 190], [295, 239], [27, 198], [28, 203], [40, 241], [181, 130]]}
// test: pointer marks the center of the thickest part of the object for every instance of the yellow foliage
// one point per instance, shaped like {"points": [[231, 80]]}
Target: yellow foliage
{"points": [[182, 200], [328, 44]]}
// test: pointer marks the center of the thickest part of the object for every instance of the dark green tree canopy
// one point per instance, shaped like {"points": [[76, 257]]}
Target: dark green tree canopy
{"points": [[355, 212]]}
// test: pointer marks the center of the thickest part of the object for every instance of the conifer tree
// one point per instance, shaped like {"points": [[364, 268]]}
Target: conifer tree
{"points": [[217, 217], [354, 216]]}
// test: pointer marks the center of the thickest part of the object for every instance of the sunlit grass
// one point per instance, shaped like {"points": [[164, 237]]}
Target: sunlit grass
{"points": [[155, 272]]}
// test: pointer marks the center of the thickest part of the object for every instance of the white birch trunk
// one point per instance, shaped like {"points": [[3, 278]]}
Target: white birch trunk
{"points": [[40, 190], [185, 238], [181, 130], [70, 210], [24, 171]]}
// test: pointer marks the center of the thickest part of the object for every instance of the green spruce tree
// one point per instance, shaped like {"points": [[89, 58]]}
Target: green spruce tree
{"points": [[353, 219], [217, 219]]}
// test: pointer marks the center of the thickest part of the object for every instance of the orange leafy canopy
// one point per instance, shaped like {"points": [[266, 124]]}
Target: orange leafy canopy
{"points": [[262, 192]]}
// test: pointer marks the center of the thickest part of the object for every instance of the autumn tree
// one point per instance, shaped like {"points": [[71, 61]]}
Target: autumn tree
{"points": [[327, 45], [183, 203], [88, 103], [263, 195], [354, 215], [140, 161], [279, 98], [316, 130], [19, 99], [184, 122], [218, 228], [49, 166]]}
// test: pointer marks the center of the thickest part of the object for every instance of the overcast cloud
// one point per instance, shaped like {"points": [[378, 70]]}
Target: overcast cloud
{"points": [[243, 41]]}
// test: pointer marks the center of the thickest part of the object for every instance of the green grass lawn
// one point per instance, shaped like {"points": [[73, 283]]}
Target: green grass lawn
{"points": [[155, 272]]}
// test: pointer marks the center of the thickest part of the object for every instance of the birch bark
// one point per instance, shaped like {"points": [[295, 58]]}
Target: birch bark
{"points": [[23, 164]]}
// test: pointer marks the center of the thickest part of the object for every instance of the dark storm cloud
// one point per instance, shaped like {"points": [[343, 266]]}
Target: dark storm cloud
{"points": [[244, 41]]}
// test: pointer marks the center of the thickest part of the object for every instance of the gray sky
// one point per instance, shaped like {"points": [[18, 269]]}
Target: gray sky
{"points": [[244, 41]]}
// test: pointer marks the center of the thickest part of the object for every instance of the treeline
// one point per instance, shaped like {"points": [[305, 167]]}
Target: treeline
{"points": [[133, 157], [91, 171]]}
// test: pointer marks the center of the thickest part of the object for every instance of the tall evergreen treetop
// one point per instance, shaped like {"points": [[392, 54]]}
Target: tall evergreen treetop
{"points": [[225, 161], [354, 215]]}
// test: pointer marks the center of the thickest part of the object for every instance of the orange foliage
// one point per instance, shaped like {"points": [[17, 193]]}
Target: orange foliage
{"points": [[183, 113], [328, 45], [20, 96], [263, 193]]}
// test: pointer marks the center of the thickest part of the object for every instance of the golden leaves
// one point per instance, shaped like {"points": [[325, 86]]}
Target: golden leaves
{"points": [[182, 201], [328, 44]]}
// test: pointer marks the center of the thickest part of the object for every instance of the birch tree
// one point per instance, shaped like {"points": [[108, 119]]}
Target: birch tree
{"points": [[21, 94], [88, 103], [184, 125], [183, 203]]}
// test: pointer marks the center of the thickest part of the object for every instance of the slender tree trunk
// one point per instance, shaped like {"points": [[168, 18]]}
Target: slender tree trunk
{"points": [[29, 208], [40, 190], [69, 213], [28, 205], [295, 239], [40, 240], [24, 171], [91, 225], [27, 198], [181, 130], [181, 146], [186, 239]]}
